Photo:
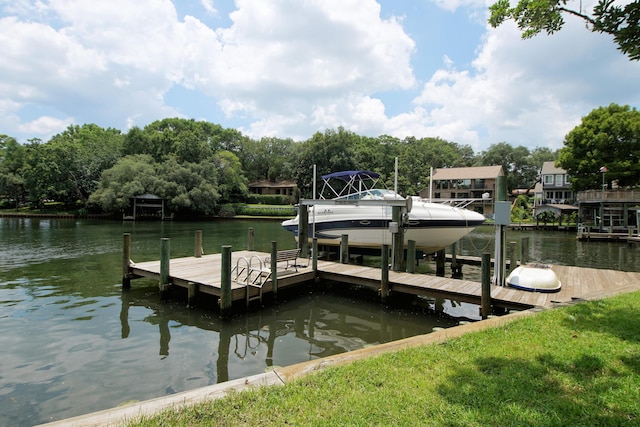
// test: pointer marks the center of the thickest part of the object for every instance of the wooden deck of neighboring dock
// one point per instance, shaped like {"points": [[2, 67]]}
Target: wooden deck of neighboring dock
{"points": [[577, 283]]}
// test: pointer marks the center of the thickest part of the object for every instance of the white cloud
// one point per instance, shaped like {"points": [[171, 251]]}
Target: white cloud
{"points": [[528, 92], [209, 7], [289, 68]]}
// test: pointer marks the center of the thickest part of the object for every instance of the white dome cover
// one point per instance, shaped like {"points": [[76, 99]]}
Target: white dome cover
{"points": [[534, 277]]}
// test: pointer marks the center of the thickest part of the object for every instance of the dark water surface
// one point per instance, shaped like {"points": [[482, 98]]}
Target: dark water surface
{"points": [[72, 342]]}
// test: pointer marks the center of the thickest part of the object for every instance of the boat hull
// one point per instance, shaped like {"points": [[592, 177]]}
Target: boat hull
{"points": [[432, 226]]}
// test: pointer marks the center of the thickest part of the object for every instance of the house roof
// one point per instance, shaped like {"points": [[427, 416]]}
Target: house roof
{"points": [[549, 168], [479, 172], [268, 184]]}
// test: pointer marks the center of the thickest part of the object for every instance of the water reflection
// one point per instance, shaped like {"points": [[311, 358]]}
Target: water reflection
{"points": [[311, 324]]}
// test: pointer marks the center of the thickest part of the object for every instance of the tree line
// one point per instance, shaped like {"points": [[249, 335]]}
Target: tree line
{"points": [[199, 167]]}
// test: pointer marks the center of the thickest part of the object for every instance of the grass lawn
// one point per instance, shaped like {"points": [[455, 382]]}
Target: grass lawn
{"points": [[573, 366]]}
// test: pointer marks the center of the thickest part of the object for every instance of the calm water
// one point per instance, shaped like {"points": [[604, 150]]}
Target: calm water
{"points": [[72, 342]]}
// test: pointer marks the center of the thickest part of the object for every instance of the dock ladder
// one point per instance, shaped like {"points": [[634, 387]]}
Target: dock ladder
{"points": [[250, 275]]}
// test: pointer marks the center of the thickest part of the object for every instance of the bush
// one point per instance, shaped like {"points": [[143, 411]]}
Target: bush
{"points": [[261, 210], [268, 199]]}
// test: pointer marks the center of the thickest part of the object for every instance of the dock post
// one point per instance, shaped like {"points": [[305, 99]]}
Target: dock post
{"points": [[198, 245], [524, 250], [411, 256], [344, 249], [314, 259], [303, 230], [485, 296], [398, 240], [384, 283], [440, 257], [513, 261], [126, 257], [250, 239], [225, 281], [164, 265], [456, 269], [274, 268], [192, 290]]}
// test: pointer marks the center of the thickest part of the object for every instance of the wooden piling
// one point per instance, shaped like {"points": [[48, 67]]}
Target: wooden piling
{"points": [[165, 258], [398, 240], [485, 296], [344, 249], [314, 259], [411, 256], [513, 261], [250, 239], [192, 290], [384, 282], [440, 257], [225, 282], [456, 269], [274, 268], [303, 230], [524, 250], [198, 244], [126, 259]]}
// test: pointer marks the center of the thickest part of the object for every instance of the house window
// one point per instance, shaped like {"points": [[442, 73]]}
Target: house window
{"points": [[567, 179], [548, 179], [558, 180], [479, 183]]}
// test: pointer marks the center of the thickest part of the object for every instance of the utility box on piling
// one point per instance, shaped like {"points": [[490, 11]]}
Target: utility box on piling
{"points": [[502, 213]]}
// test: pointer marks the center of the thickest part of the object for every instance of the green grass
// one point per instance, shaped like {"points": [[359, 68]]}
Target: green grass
{"points": [[574, 366]]}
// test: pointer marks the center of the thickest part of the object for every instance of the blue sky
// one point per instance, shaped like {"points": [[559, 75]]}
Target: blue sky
{"points": [[290, 68]]}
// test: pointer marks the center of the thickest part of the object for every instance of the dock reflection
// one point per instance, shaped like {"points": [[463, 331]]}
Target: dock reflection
{"points": [[307, 326]]}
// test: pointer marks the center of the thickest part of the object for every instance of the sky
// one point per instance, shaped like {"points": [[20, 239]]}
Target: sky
{"points": [[291, 68]]}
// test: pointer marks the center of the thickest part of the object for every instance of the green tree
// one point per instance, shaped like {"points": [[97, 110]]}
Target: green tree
{"points": [[268, 158], [232, 184], [82, 153], [517, 164], [188, 139], [12, 161], [622, 21], [609, 137], [418, 156], [131, 176], [331, 151]]}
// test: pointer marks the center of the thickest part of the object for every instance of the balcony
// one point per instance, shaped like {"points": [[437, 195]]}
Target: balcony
{"points": [[617, 196]]}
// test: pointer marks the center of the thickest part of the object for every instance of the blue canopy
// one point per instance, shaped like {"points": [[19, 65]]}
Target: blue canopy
{"points": [[348, 175]]}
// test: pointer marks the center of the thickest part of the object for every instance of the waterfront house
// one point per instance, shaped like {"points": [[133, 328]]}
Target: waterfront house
{"points": [[554, 193], [265, 187], [472, 187]]}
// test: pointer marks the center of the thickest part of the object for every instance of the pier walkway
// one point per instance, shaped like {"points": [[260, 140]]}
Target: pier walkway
{"points": [[204, 273]]}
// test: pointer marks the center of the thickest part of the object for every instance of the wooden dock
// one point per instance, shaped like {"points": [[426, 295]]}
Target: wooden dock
{"points": [[203, 274]]}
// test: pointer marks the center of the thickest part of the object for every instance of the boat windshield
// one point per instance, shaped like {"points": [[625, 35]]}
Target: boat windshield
{"points": [[372, 194]]}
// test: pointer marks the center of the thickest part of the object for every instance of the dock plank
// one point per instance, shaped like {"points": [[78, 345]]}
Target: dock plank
{"points": [[576, 282]]}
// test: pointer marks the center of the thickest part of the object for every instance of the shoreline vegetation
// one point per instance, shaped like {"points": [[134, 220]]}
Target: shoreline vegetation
{"points": [[577, 365]]}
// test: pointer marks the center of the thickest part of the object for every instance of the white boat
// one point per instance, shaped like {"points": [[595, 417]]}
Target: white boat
{"points": [[535, 278], [433, 226]]}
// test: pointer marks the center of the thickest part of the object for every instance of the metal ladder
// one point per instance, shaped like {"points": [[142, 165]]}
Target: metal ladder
{"points": [[251, 276]]}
